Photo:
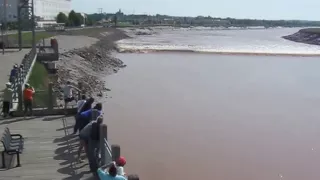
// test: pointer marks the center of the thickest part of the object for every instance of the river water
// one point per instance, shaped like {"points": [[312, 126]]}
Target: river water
{"points": [[220, 117]]}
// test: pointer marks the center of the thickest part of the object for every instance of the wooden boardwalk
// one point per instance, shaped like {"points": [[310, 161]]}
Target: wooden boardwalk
{"points": [[49, 152]]}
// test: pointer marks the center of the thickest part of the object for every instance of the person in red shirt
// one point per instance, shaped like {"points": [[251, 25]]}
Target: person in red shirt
{"points": [[28, 93]]}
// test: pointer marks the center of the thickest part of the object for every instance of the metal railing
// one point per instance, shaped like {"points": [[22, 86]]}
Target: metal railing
{"points": [[108, 153], [22, 76]]}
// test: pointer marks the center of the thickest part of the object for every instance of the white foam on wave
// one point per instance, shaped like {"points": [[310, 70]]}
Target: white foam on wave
{"points": [[262, 50]]}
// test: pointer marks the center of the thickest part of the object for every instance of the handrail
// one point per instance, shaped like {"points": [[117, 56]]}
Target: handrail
{"points": [[108, 147], [22, 75]]}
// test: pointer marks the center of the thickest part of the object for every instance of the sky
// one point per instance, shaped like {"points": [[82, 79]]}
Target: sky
{"points": [[253, 9]]}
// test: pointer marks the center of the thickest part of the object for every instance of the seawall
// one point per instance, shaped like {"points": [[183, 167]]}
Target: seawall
{"points": [[307, 36]]}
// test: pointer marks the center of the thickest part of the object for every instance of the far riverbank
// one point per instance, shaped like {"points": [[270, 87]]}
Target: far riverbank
{"points": [[307, 36]]}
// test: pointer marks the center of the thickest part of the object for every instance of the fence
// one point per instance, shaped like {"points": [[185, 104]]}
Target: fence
{"points": [[108, 153], [22, 77]]}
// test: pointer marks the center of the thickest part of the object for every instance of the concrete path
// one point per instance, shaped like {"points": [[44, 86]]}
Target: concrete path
{"points": [[49, 152], [7, 61]]}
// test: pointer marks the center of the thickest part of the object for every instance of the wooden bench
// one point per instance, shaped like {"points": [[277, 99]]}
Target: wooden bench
{"points": [[12, 144]]}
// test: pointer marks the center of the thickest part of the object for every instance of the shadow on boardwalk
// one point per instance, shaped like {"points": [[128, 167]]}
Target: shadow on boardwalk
{"points": [[50, 151]]}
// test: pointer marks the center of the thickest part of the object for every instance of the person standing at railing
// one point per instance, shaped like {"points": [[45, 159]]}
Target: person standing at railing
{"points": [[120, 164], [7, 99], [68, 95], [13, 73], [28, 93]]}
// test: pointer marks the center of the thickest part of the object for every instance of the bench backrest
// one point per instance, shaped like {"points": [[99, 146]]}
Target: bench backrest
{"points": [[6, 139]]}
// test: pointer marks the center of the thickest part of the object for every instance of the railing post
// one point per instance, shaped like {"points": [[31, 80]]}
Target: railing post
{"points": [[20, 97], [50, 96], [103, 133], [115, 149]]}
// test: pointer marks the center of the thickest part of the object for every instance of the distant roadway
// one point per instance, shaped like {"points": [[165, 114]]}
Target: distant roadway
{"points": [[41, 30]]}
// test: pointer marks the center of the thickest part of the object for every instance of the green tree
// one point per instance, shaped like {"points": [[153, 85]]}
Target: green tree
{"points": [[79, 20], [75, 19], [89, 21], [62, 18]]}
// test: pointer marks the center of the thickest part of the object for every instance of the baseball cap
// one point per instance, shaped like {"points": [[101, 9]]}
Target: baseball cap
{"points": [[121, 161]]}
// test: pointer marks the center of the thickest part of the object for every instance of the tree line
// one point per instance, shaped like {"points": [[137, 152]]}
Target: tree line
{"points": [[73, 19]]}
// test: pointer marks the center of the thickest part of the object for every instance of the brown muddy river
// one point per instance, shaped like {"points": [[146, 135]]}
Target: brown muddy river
{"points": [[200, 116]]}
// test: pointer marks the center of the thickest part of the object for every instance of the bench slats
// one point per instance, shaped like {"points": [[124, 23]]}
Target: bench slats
{"points": [[13, 144]]}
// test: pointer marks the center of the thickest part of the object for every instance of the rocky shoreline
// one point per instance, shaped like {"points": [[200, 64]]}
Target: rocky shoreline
{"points": [[307, 36], [90, 64]]}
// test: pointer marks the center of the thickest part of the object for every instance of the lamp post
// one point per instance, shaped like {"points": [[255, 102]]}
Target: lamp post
{"points": [[4, 23], [2, 38]]}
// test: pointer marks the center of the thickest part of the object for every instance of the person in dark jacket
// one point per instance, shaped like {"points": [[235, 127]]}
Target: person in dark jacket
{"points": [[85, 107], [93, 145], [84, 121]]}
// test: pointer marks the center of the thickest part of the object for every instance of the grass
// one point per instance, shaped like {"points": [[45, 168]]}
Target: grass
{"points": [[311, 30], [39, 80], [27, 37]]}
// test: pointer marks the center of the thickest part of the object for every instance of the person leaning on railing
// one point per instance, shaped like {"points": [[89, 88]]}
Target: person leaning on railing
{"points": [[85, 107], [85, 128]]}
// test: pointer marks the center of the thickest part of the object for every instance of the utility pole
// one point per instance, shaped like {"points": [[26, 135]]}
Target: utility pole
{"points": [[4, 24], [26, 13], [100, 10]]}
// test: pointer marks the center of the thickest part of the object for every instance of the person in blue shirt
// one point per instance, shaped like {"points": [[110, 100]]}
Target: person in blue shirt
{"points": [[13, 73], [110, 174], [85, 118]]}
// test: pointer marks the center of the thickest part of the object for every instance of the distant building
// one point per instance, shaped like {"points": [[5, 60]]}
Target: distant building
{"points": [[44, 10], [12, 10], [49, 9]]}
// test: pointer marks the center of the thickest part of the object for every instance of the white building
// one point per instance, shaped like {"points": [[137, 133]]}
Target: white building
{"points": [[49, 9], [46, 10]]}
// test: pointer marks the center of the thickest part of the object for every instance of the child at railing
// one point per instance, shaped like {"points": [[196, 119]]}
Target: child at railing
{"points": [[109, 171], [120, 164]]}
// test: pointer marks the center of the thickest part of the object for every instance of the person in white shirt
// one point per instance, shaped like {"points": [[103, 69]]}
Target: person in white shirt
{"points": [[120, 163], [81, 102], [67, 92]]}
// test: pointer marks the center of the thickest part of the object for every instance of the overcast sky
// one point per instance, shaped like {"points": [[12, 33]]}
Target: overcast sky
{"points": [[257, 9]]}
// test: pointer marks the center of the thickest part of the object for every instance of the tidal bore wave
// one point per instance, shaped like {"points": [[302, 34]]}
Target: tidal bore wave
{"points": [[175, 49]]}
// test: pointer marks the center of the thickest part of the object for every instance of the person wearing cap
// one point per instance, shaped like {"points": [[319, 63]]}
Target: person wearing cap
{"points": [[120, 164], [13, 73], [67, 92], [7, 98], [109, 172], [28, 93]]}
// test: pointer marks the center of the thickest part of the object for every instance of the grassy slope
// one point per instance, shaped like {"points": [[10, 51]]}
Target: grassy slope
{"points": [[39, 79], [311, 30], [27, 37]]}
